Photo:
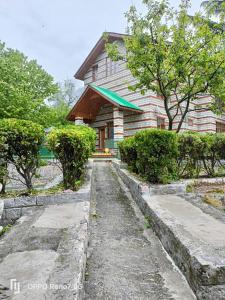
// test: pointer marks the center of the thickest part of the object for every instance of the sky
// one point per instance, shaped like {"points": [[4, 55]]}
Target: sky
{"points": [[59, 34]]}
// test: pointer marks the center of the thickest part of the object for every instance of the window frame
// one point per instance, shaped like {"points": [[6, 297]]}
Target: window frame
{"points": [[110, 126], [161, 124], [220, 127], [95, 72]]}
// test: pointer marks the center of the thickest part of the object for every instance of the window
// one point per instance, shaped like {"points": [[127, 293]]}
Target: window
{"points": [[110, 131], [94, 72], [161, 123], [220, 127], [190, 122], [111, 67]]}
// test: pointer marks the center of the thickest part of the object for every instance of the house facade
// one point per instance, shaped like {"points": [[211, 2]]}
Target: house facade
{"points": [[115, 112]]}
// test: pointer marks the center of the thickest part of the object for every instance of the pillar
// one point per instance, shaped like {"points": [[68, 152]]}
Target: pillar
{"points": [[79, 121], [118, 124]]}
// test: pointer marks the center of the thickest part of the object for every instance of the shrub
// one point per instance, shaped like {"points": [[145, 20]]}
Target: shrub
{"points": [[161, 156], [220, 145], [190, 149], [72, 145], [213, 153], [151, 153], [3, 163], [200, 152], [156, 155], [23, 140], [128, 152]]}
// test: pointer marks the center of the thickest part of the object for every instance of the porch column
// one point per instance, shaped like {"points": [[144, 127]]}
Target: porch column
{"points": [[118, 124], [79, 121]]}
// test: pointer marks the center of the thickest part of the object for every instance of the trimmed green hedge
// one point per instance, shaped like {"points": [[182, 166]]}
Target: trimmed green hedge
{"points": [[201, 154], [161, 156], [128, 152], [72, 145], [152, 153]]}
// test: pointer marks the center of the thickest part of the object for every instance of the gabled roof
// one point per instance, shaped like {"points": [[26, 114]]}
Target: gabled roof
{"points": [[93, 98], [98, 48], [115, 98]]}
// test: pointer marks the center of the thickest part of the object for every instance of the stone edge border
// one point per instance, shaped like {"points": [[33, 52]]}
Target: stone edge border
{"points": [[11, 209], [85, 195], [141, 192]]}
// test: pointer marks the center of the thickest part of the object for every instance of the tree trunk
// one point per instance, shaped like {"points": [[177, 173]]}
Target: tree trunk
{"points": [[183, 116], [170, 126], [179, 126], [28, 181], [3, 187]]}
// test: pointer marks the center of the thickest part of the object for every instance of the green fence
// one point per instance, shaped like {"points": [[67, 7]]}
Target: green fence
{"points": [[45, 153], [111, 144]]}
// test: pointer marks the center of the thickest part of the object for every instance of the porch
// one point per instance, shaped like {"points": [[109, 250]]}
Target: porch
{"points": [[103, 110]]}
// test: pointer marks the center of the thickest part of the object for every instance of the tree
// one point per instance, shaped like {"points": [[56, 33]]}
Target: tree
{"points": [[72, 146], [24, 87], [215, 6], [69, 89], [3, 163], [22, 142], [177, 56], [62, 101]]}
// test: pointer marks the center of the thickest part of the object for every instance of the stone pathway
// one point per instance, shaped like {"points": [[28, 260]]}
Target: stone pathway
{"points": [[42, 256], [126, 260]]}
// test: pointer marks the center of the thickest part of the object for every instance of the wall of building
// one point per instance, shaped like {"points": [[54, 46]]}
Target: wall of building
{"points": [[150, 103]]}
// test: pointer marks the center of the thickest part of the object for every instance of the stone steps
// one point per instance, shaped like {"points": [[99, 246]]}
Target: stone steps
{"points": [[194, 239], [102, 155]]}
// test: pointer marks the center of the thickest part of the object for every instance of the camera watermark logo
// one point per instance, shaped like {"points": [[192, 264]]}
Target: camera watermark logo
{"points": [[15, 286]]}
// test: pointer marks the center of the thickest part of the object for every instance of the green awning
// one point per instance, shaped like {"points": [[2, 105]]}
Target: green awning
{"points": [[115, 98]]}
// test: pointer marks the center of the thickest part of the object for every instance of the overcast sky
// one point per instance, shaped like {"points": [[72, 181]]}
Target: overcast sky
{"points": [[61, 33]]}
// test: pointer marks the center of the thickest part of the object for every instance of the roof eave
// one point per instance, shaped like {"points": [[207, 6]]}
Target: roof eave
{"points": [[81, 96], [116, 104], [104, 96], [139, 111], [95, 51]]}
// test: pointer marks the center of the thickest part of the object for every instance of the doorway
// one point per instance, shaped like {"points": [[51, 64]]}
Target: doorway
{"points": [[102, 138]]}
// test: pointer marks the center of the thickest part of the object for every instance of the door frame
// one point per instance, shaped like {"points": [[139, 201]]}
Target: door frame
{"points": [[101, 137]]}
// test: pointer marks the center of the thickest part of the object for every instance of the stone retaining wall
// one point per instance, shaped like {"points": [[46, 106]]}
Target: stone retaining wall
{"points": [[207, 280], [12, 209]]}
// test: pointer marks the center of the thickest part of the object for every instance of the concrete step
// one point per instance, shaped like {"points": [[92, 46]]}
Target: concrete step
{"points": [[102, 155]]}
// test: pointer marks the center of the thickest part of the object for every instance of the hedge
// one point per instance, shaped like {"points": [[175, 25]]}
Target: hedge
{"points": [[72, 145], [20, 145], [190, 147], [201, 154], [161, 156], [128, 152], [152, 153]]}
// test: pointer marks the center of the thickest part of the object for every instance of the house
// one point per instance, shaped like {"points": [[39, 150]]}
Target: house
{"points": [[115, 112]]}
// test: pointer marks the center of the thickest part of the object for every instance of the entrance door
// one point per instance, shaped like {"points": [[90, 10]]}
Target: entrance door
{"points": [[102, 138]]}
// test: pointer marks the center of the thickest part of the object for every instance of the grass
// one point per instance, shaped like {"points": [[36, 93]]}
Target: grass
{"points": [[212, 201], [54, 190], [216, 191], [206, 187], [43, 163], [5, 229], [147, 222], [189, 188]]}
